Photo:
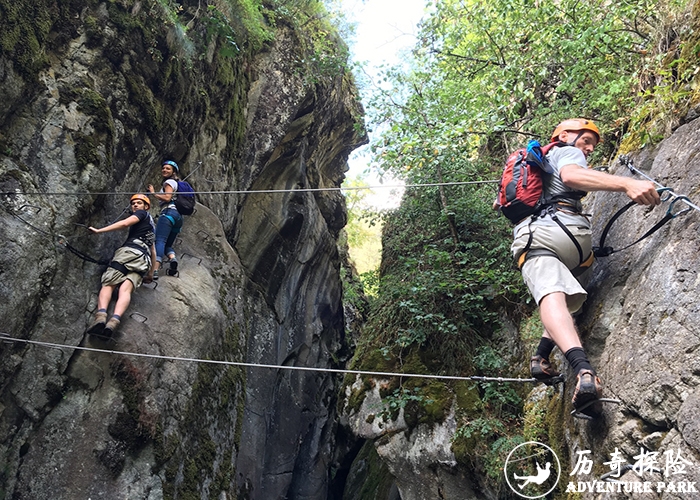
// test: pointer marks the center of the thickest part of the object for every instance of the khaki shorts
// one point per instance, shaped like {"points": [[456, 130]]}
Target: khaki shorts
{"points": [[547, 274], [136, 262]]}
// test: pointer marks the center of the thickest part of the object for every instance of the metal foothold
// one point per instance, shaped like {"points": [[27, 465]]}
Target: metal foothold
{"points": [[38, 209], [138, 317], [577, 412], [199, 260]]}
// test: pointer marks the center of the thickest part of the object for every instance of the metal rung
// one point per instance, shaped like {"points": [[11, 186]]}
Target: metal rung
{"points": [[578, 414], [191, 257], [143, 320], [38, 209]]}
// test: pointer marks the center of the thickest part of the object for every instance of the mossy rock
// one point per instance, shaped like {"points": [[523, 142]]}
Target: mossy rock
{"points": [[369, 477], [469, 402], [432, 404]]}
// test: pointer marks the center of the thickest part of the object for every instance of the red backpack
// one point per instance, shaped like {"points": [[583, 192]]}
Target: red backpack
{"points": [[520, 193]]}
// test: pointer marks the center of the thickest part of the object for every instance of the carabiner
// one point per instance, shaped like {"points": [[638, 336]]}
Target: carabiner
{"points": [[669, 194], [680, 212]]}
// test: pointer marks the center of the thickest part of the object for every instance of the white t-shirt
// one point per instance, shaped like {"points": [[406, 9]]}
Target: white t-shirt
{"points": [[553, 186], [558, 158], [173, 184]]}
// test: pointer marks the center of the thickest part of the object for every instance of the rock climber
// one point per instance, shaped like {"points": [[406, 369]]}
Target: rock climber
{"points": [[170, 220], [556, 265], [131, 265]]}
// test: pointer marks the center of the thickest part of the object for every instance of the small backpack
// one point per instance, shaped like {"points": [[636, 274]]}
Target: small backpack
{"points": [[185, 199], [520, 192]]}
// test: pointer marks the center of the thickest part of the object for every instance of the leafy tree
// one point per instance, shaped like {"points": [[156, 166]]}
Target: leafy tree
{"points": [[363, 227]]}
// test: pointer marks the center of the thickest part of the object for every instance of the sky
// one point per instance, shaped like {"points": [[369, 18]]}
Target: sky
{"points": [[385, 33]]}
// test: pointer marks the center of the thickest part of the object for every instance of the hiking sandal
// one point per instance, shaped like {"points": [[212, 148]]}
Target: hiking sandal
{"points": [[588, 391], [541, 369]]}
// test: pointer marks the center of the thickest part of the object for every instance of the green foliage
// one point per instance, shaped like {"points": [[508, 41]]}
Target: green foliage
{"points": [[320, 30], [371, 479], [370, 283], [398, 399], [363, 230], [26, 25], [437, 293], [487, 75], [487, 441], [502, 400], [246, 26], [351, 292], [669, 82], [219, 26]]}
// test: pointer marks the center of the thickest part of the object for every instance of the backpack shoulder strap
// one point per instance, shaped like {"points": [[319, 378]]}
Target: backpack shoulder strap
{"points": [[548, 147]]}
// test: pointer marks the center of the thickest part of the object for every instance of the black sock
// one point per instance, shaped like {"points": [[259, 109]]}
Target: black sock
{"points": [[117, 317], [578, 360], [545, 348]]}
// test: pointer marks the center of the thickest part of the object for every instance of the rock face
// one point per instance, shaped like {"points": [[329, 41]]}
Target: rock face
{"points": [[640, 323], [122, 88]]}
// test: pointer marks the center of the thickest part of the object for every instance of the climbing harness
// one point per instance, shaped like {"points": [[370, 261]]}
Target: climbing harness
{"points": [[666, 194], [584, 262]]}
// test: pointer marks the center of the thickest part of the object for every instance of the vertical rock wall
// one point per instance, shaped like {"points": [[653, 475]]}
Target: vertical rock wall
{"points": [[641, 320], [123, 86]]}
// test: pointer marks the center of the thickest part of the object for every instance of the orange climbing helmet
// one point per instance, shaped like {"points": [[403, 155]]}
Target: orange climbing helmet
{"points": [[576, 125], [143, 198]]}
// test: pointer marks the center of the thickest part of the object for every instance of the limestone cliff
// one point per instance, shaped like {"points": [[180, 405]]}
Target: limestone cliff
{"points": [[95, 95]]}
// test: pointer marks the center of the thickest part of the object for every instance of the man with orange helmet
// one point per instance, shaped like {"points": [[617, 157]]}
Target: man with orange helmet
{"points": [[554, 250], [131, 265]]}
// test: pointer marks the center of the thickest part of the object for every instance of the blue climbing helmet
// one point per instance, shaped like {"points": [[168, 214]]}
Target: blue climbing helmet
{"points": [[172, 164]]}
